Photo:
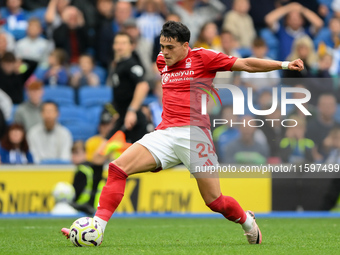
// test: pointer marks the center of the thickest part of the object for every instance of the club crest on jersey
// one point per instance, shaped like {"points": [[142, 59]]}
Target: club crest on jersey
{"points": [[188, 63], [165, 78]]}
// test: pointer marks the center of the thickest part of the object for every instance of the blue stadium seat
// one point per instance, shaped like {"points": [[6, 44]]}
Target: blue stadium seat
{"points": [[61, 95], [55, 162], [100, 71], [14, 109], [72, 114], [272, 42], [93, 114], [81, 131], [94, 96], [337, 114]]}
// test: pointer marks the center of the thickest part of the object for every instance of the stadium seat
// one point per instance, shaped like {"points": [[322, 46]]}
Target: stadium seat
{"points": [[81, 131], [14, 109], [61, 95], [55, 162], [149, 99], [272, 42], [337, 114], [72, 114], [94, 96], [101, 72], [93, 114]]}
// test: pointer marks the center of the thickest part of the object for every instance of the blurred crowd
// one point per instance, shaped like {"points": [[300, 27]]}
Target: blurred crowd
{"points": [[48, 45]]}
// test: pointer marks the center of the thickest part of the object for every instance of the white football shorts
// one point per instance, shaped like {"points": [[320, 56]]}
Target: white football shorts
{"points": [[189, 145]]}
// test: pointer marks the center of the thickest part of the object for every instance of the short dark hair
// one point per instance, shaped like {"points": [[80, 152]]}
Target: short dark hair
{"points": [[259, 42], [176, 30], [8, 57], [123, 33], [49, 102]]}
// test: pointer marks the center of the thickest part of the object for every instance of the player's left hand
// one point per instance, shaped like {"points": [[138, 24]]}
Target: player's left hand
{"points": [[296, 65], [130, 120]]}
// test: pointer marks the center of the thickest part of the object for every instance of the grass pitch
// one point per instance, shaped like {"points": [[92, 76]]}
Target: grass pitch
{"points": [[174, 236]]}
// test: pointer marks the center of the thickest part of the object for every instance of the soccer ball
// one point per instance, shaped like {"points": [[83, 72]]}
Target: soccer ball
{"points": [[86, 232]]}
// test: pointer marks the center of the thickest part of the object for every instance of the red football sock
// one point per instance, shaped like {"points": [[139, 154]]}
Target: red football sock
{"points": [[229, 208], [112, 192]]}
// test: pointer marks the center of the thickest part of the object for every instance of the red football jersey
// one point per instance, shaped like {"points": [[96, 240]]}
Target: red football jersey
{"points": [[181, 85]]}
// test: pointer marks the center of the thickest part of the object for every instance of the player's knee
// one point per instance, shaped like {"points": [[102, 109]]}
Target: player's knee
{"points": [[118, 163]]}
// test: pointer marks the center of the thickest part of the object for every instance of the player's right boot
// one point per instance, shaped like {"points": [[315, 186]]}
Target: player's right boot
{"points": [[66, 232], [254, 236]]}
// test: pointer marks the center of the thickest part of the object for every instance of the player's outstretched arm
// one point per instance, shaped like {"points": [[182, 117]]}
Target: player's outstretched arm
{"points": [[253, 65]]}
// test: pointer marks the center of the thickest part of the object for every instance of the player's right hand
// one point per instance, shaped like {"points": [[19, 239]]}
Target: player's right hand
{"points": [[296, 65]]}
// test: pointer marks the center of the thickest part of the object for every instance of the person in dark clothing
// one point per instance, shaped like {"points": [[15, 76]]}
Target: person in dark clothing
{"points": [[71, 35], [319, 127], [104, 35], [130, 89], [12, 79], [3, 124]]}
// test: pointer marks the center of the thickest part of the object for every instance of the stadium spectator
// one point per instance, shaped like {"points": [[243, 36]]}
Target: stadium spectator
{"points": [[156, 107], [245, 149], [332, 196], [330, 35], [33, 46], [14, 148], [87, 180], [28, 113], [295, 147], [195, 16], [72, 35], [258, 10], [293, 25], [104, 35], [31, 5], [208, 37], [228, 44], [107, 120], [7, 43], [258, 81], [3, 124], [336, 8], [318, 128], [150, 21], [85, 76], [240, 24], [56, 74], [122, 12], [129, 89], [225, 134], [142, 48], [12, 79], [53, 15], [16, 18], [49, 140], [6, 105], [273, 131], [311, 108]]}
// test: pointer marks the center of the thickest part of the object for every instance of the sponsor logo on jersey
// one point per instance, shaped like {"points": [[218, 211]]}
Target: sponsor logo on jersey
{"points": [[179, 76], [188, 63]]}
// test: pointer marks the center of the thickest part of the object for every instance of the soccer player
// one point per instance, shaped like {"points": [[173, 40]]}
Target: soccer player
{"points": [[175, 139]]}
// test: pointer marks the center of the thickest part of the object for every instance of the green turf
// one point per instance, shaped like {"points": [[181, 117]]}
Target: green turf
{"points": [[174, 236]]}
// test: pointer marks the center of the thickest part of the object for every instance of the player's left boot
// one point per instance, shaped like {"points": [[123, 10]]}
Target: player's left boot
{"points": [[254, 236], [66, 232]]}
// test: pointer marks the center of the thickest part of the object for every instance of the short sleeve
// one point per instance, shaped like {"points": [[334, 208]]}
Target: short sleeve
{"points": [[160, 62], [215, 61], [136, 73]]}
